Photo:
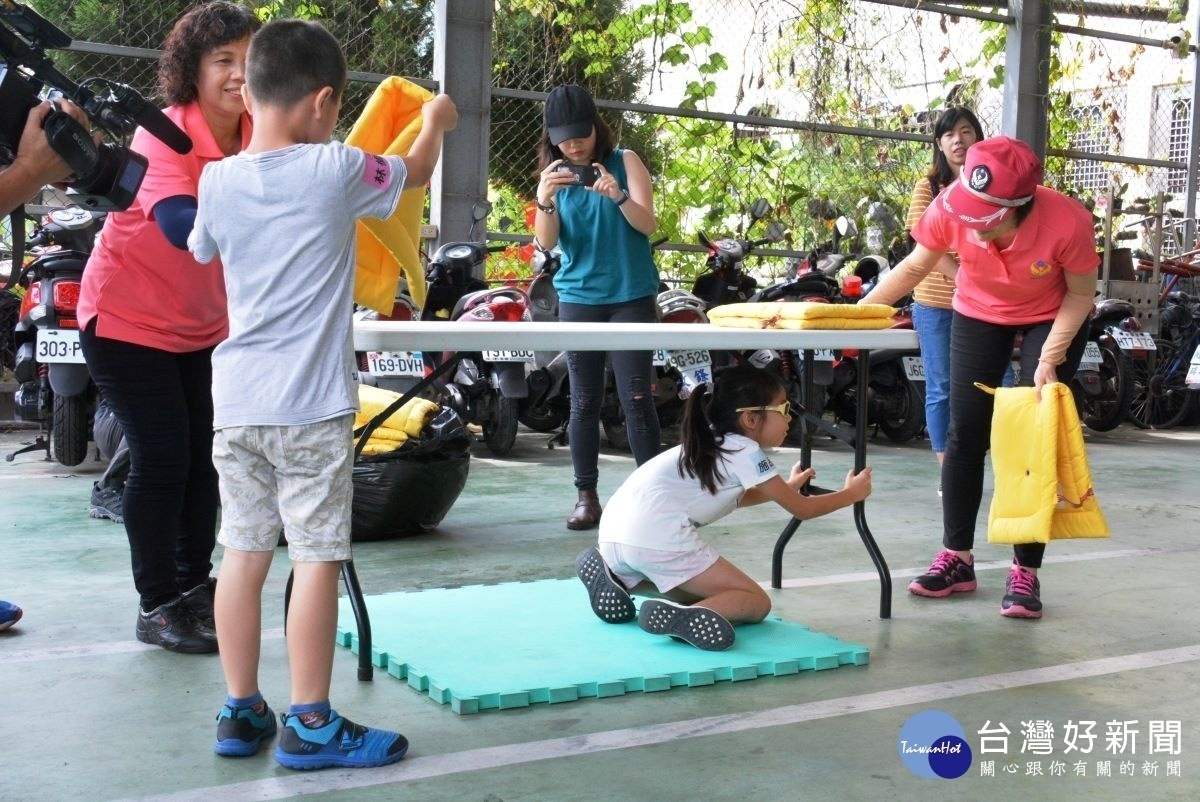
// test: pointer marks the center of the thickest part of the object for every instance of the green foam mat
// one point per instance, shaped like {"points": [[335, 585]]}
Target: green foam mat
{"points": [[488, 647]]}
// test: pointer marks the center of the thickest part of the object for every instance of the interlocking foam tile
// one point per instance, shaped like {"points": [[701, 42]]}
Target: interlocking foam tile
{"points": [[486, 647]]}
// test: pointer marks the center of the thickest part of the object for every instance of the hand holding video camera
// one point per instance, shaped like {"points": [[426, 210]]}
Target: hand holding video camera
{"points": [[103, 176], [34, 150]]}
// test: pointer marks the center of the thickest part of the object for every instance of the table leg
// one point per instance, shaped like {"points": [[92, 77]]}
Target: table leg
{"points": [[353, 589], [860, 462], [860, 508]]}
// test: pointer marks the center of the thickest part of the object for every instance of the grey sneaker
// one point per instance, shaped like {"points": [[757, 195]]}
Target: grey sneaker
{"points": [[106, 503], [610, 600], [698, 626]]}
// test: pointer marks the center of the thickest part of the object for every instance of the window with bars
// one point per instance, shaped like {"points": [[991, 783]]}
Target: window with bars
{"points": [[1178, 130], [1091, 137]]}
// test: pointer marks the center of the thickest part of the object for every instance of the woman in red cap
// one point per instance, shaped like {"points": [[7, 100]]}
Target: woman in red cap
{"points": [[1027, 266], [600, 216]]}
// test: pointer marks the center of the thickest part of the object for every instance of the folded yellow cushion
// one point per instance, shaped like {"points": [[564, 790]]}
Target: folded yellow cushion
{"points": [[802, 315], [409, 419], [374, 447], [1043, 485]]}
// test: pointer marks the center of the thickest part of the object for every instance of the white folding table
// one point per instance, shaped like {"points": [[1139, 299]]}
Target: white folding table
{"points": [[542, 336]]}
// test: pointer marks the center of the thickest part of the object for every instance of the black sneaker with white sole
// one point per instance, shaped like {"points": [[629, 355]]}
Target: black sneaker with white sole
{"points": [[698, 626], [173, 627], [611, 602]]}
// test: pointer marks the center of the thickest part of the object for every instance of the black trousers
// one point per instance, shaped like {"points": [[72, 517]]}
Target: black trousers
{"points": [[981, 352], [163, 401]]}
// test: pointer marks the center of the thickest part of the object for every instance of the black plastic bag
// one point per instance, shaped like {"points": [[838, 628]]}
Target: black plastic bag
{"points": [[409, 491]]}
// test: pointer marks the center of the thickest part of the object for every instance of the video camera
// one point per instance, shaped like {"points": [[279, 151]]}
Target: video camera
{"points": [[106, 176]]}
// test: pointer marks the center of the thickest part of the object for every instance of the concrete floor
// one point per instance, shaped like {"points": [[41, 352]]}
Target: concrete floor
{"points": [[90, 713]]}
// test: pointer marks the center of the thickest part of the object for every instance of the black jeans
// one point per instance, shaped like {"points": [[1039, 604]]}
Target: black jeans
{"points": [[163, 401], [633, 372], [981, 352]]}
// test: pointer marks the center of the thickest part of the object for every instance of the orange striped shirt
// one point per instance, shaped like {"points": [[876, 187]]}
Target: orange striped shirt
{"points": [[936, 289]]}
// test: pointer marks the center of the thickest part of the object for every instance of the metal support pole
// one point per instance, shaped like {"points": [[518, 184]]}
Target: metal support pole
{"points": [[1026, 73], [462, 66]]}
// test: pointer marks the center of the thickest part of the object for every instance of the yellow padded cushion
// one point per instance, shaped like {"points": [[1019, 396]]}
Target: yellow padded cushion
{"points": [[1043, 482], [406, 422], [388, 126], [802, 315]]}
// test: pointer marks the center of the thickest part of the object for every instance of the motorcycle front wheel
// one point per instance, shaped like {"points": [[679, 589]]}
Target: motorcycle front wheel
{"points": [[615, 430], [500, 429], [69, 432], [1105, 411], [542, 419], [903, 419]]}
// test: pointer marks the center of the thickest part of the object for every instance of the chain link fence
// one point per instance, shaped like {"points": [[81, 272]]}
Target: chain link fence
{"points": [[817, 105]]}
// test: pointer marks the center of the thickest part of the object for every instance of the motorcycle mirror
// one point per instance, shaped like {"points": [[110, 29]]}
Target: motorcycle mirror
{"points": [[776, 231], [759, 209], [480, 210], [846, 227]]}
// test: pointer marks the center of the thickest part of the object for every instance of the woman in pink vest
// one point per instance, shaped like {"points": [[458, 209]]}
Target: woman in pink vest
{"points": [[150, 316], [1027, 267]]}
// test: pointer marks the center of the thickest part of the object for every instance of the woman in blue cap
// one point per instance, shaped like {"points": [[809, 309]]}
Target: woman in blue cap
{"points": [[594, 202]]}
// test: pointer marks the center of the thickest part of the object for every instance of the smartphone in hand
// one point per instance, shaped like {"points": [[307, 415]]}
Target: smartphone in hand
{"points": [[585, 174]]}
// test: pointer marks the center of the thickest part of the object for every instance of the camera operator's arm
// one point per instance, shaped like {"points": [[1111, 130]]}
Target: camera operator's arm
{"points": [[36, 164]]}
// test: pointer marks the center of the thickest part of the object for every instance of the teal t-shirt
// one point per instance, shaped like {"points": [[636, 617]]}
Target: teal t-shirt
{"points": [[604, 259]]}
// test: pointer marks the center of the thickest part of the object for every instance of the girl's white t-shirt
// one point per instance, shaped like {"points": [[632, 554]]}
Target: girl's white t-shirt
{"points": [[658, 508]]}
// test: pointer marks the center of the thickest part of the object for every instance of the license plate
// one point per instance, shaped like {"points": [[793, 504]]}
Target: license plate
{"points": [[1193, 374], [59, 345], [914, 368], [823, 355], [1091, 355], [1133, 340], [683, 360], [508, 356], [396, 363]]}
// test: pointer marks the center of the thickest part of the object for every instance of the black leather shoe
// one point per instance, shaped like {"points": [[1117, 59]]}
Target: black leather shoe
{"points": [[199, 602], [173, 627]]}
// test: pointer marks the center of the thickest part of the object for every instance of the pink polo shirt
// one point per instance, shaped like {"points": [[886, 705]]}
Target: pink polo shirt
{"points": [[1023, 283], [142, 289]]}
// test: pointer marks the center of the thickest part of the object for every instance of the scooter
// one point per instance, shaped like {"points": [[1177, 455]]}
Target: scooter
{"points": [[485, 387], [1104, 381], [56, 388], [488, 386]]}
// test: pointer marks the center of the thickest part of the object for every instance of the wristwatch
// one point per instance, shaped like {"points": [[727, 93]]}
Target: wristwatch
{"points": [[548, 209], [624, 197]]}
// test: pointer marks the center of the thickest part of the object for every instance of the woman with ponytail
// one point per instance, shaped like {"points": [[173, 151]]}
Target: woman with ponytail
{"points": [[648, 539]]}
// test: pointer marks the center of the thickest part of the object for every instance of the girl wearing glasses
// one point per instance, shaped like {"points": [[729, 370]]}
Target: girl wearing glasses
{"points": [[649, 542]]}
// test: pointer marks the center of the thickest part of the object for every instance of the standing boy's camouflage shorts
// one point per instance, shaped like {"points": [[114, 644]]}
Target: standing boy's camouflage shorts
{"points": [[294, 478]]}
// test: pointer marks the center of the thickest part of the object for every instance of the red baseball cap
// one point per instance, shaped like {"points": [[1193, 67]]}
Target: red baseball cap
{"points": [[1000, 174]]}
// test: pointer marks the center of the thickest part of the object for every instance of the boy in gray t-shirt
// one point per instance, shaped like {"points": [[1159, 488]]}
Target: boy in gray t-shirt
{"points": [[282, 214]]}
